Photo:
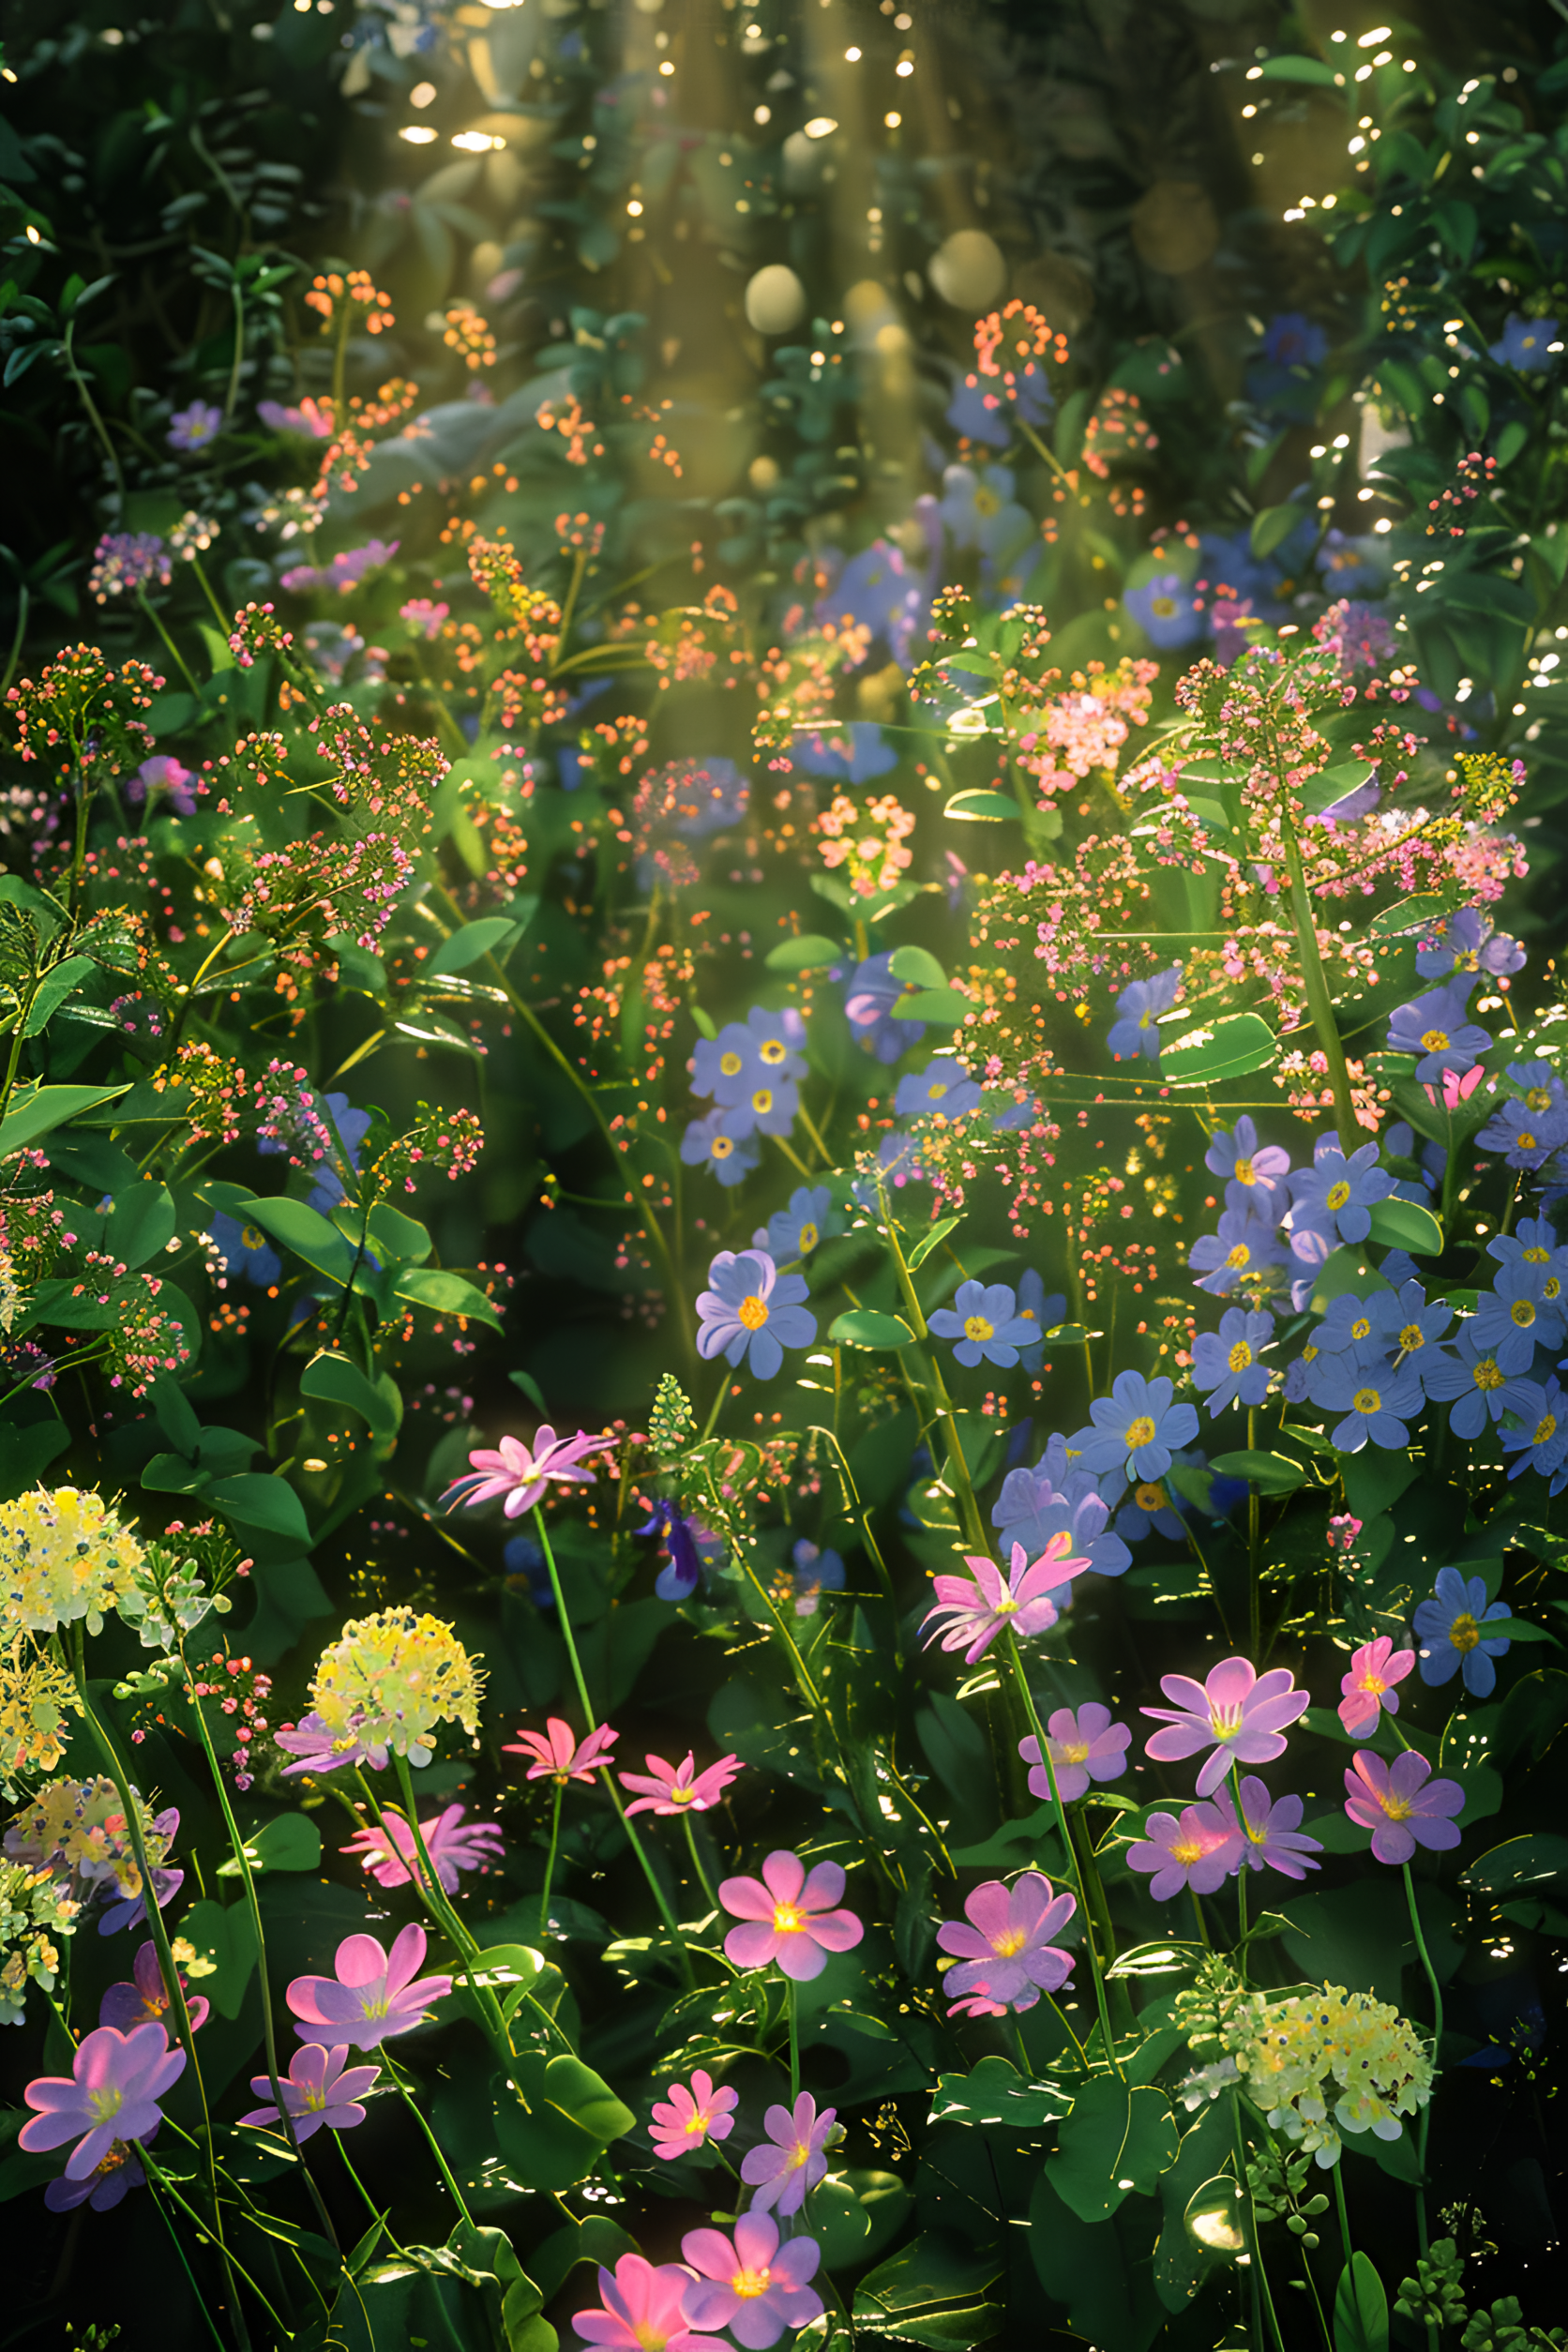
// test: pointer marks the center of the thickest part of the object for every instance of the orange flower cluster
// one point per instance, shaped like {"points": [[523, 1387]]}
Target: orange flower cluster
{"points": [[335, 294]]}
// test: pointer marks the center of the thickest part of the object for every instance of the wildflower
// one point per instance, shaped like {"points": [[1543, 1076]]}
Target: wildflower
{"points": [[1516, 1317], [692, 2117], [1377, 1401], [317, 2089], [1408, 1328], [671, 1788], [1525, 344], [1401, 1805], [1541, 1444], [1334, 1197], [342, 571], [424, 617], [194, 427], [1036, 1308], [751, 1308], [391, 1678], [64, 1555], [386, 1851], [1542, 1090], [781, 2175], [317, 1747], [1133, 1032], [1150, 1508], [558, 1756], [521, 1473], [984, 1322], [872, 993], [38, 1699], [1434, 1028], [641, 2309], [1244, 1248], [1227, 1363], [1167, 612], [1472, 1379], [111, 2093], [708, 1143], [751, 2284], [1449, 1628], [944, 1086], [372, 1995], [1195, 1851], [1257, 1172], [145, 2000], [311, 418], [1294, 2056], [1234, 1712], [1369, 1686], [1005, 1954], [1468, 943], [794, 1232], [125, 560], [815, 1572], [1084, 1747], [1265, 1832], [979, 510], [684, 1540], [76, 1831], [788, 1916], [979, 1607], [1136, 1429], [111, 2178], [163, 775], [1521, 1137]]}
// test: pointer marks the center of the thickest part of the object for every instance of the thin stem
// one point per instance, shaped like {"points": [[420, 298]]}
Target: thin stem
{"points": [[550, 1858], [418, 2114], [231, 395], [1319, 1002], [1423, 2127], [173, 651], [155, 2183], [794, 2041], [371, 2205], [1346, 2247], [590, 1721], [1051, 2002], [708, 1895], [87, 402], [1254, 1541]]}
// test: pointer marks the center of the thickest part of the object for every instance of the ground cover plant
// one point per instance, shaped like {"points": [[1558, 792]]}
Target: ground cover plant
{"points": [[782, 1254]]}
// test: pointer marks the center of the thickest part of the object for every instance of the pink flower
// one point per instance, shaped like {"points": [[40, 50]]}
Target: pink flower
{"points": [[1083, 1747], [783, 2172], [111, 2093], [1395, 1802], [390, 1856], [316, 2089], [558, 1758], [692, 2117], [1265, 1833], [1238, 1714], [752, 2285], [641, 2309], [146, 2001], [375, 1994], [1005, 1954], [1368, 1687], [680, 1789], [521, 1474], [985, 1605], [789, 1918], [1197, 1851], [1456, 1089]]}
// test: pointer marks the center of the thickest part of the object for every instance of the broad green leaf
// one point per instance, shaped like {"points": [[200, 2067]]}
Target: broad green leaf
{"points": [[307, 1233], [1271, 1473], [1360, 2308], [928, 2293], [981, 807], [1421, 912], [56, 986], [36, 1111], [929, 1240], [913, 964], [1229, 1048], [225, 1945], [337, 1381], [1406, 1225], [572, 2117], [1273, 526], [256, 1500], [393, 1235], [996, 2092], [443, 1293], [466, 946], [1292, 68], [943, 1007], [1115, 2140], [809, 953], [864, 1328], [289, 1840], [1534, 1861], [1328, 785]]}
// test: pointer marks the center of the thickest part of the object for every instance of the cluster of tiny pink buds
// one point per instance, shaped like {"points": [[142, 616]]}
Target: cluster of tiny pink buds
{"points": [[257, 631]]}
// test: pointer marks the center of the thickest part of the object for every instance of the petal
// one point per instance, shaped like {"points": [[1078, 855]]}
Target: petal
{"points": [[824, 1888], [784, 1876], [1228, 1684], [751, 1946], [746, 1898], [361, 1960]]}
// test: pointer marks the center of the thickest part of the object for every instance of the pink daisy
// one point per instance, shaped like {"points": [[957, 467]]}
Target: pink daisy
{"points": [[978, 1608], [691, 2117], [558, 1756], [679, 1788], [789, 1917], [1234, 1712], [521, 1473]]}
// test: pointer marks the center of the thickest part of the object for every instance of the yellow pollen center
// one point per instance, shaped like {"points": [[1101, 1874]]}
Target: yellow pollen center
{"points": [[1435, 1040], [1522, 1313], [1464, 1633], [1361, 1328], [806, 1239], [315, 2100], [761, 1102], [986, 503], [1412, 1337], [773, 1052], [1337, 1197], [1551, 1287], [753, 1312], [1396, 1808], [696, 2122], [1006, 1607], [1187, 1850], [731, 1065], [1488, 1373], [787, 1920], [977, 1328], [1149, 1498], [722, 1147], [1240, 1255], [1241, 1356], [1246, 1172], [1538, 1098], [252, 1237], [935, 1094], [748, 2283], [1139, 1432], [1367, 1400], [1011, 1940], [1546, 1427], [105, 2104], [1372, 1684]]}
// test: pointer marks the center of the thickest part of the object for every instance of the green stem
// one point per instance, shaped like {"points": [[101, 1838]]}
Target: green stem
{"points": [[418, 2114], [549, 1860], [1254, 1542], [371, 2205], [98, 424], [1260, 2295], [238, 361], [1319, 1002], [1423, 2127], [794, 2040], [173, 651], [155, 2184], [708, 1895], [1346, 2247]]}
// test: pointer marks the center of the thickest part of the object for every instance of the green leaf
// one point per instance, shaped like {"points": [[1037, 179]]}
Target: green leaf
{"points": [[1115, 2140], [996, 2092], [1360, 2308], [1534, 1861], [1274, 524], [466, 946], [289, 1840], [929, 1240], [56, 985], [1293, 69], [1271, 1473], [1328, 785], [222, 1935], [306, 1232], [1417, 913], [928, 2292], [943, 1007], [40, 1109], [970, 808], [1406, 1225], [391, 1235], [336, 1380], [864, 1328], [809, 953], [1230, 1048], [914, 965], [443, 1293], [256, 1500], [572, 2117]]}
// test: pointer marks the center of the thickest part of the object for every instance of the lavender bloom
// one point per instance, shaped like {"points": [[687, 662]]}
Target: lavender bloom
{"points": [[1259, 1171], [683, 1571], [1433, 1026], [1514, 1316], [1033, 1507], [111, 2093], [1401, 1805], [815, 1572], [1468, 943], [1194, 1852], [983, 1323], [1229, 1362], [1167, 612], [1043, 1312], [1543, 1442], [751, 1308], [781, 2171], [979, 1607], [1134, 1032], [1243, 1248], [1136, 1427], [872, 993], [1449, 1628], [1235, 1712], [128, 561], [111, 2178], [1375, 1400], [1334, 1197], [881, 590], [1004, 1952], [316, 1749], [163, 775], [1469, 1377], [371, 1996], [317, 2089], [145, 2000], [345, 570], [1267, 1832], [794, 1232], [193, 427], [944, 1086], [752, 2285], [1084, 1747], [708, 1143]]}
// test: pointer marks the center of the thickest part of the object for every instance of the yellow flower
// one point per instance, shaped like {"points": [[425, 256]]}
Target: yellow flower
{"points": [[392, 1678], [1324, 2054], [36, 1692], [63, 1555]]}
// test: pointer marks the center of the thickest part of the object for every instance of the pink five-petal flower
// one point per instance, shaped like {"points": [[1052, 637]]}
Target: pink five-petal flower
{"points": [[1368, 1687], [373, 1995], [793, 2159], [1401, 1806], [641, 2309], [789, 1918], [679, 1788], [1005, 1954], [111, 2093], [146, 2003], [558, 1756], [521, 1473], [751, 2284], [318, 2088], [978, 1608], [1238, 1714], [1268, 1832], [1199, 1851], [386, 1849], [1083, 1747], [691, 2117]]}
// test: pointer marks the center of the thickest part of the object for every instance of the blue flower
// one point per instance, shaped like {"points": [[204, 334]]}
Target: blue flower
{"points": [[1150, 1510], [685, 1542], [816, 1572], [1541, 1444], [872, 993], [779, 1040], [525, 1563], [810, 1218], [1540, 1085], [881, 590], [980, 511], [750, 1310], [769, 1109], [1516, 1317], [706, 1144], [978, 408], [1294, 340], [1375, 1400], [1036, 1308], [1133, 1032], [984, 1322], [1229, 1362], [1469, 1377], [944, 1086], [1257, 1173], [1036, 1504], [725, 1066], [1523, 1138], [245, 1250], [1243, 1246], [194, 427], [1410, 1329], [1136, 1428], [1448, 1628], [854, 752], [1468, 943], [1166, 610], [1335, 1196], [1352, 1327], [1435, 1029], [1532, 1243], [1525, 344]]}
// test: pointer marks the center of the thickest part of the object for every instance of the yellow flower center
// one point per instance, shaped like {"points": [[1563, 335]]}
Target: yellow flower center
{"points": [[105, 2104], [1010, 1940], [1522, 1313], [935, 1094], [1435, 1040], [787, 1920], [1148, 1498], [696, 2123], [731, 1065], [1361, 1327], [748, 2283], [1464, 1633], [1412, 1337], [1241, 1356], [753, 1312], [1372, 1684], [977, 1328], [806, 1239], [315, 2100], [1246, 1172], [987, 502], [721, 1147], [773, 1052], [1240, 1255], [252, 1237], [1006, 1607], [1546, 1427], [1538, 1098], [1139, 1432], [1552, 1287], [1487, 1374], [761, 1102], [1396, 1808], [1367, 1400], [1187, 1850]]}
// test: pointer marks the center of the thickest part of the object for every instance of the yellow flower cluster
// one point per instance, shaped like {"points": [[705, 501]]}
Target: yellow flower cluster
{"points": [[392, 1678], [1322, 2063], [36, 1693], [35, 1907], [76, 1830], [63, 1555]]}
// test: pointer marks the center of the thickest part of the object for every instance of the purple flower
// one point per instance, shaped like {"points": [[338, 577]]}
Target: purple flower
{"points": [[880, 590], [873, 992], [1083, 1747], [1194, 1852], [1294, 340], [389, 1854], [373, 1994], [1514, 1316], [1033, 1507], [1167, 612], [1401, 1805], [194, 427], [1543, 1441], [1133, 1032], [1005, 1954], [1136, 1429], [518, 1475], [111, 2093], [1235, 1712], [1433, 1026], [130, 559], [794, 2159], [316, 2089], [1229, 1362], [311, 417], [944, 1086], [979, 1607], [640, 2307], [1268, 1832], [683, 1539], [145, 2000], [1470, 1378], [317, 1749], [708, 1143], [1334, 1197], [113, 2176], [985, 1323], [750, 1308], [1525, 344], [1448, 1629], [1036, 1308], [751, 2284], [345, 570], [1243, 1246], [1364, 639], [1257, 1171], [1468, 943], [162, 773], [1521, 1137], [1376, 1400]]}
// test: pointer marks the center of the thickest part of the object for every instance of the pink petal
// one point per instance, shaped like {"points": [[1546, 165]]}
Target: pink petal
{"points": [[1228, 1684], [823, 1889], [710, 2251], [751, 1946], [405, 1959], [836, 1931], [784, 1874], [361, 1960], [746, 1898]]}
